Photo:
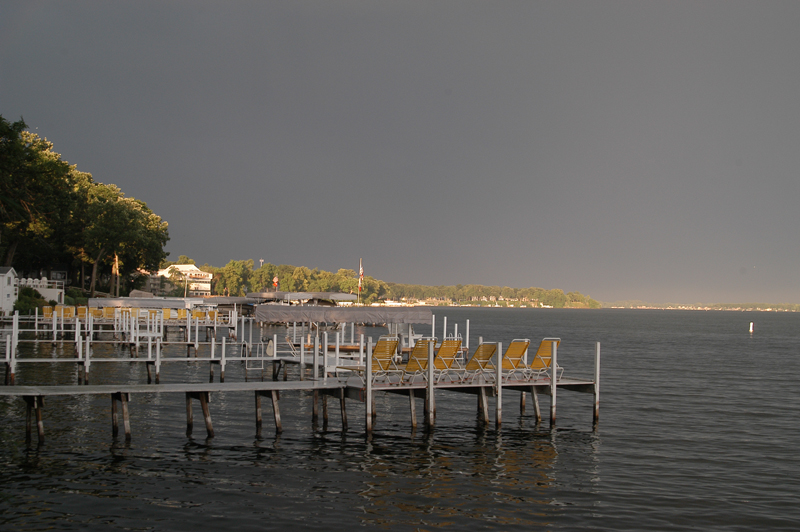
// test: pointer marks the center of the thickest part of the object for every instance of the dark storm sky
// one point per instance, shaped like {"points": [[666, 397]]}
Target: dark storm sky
{"points": [[626, 150]]}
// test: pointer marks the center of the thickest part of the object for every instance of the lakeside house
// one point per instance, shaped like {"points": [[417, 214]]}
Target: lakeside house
{"points": [[195, 281], [8, 289]]}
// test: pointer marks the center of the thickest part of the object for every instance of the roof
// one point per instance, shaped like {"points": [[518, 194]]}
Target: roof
{"points": [[286, 314], [301, 296], [5, 269]]}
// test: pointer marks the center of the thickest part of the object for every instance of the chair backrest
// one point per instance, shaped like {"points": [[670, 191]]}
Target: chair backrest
{"points": [[515, 353], [383, 353], [541, 361], [482, 357], [418, 358], [446, 354]]}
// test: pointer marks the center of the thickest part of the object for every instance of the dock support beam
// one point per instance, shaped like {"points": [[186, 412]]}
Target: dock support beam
{"points": [[553, 379], [35, 403], [498, 419], [368, 402], [123, 399], [342, 396], [596, 415], [276, 412], [430, 405], [203, 397], [536, 410]]}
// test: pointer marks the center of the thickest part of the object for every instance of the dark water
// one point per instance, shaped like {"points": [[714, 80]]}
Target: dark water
{"points": [[698, 430]]}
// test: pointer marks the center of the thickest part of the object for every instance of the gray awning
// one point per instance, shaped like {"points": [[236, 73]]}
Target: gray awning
{"points": [[145, 302], [301, 296], [289, 314]]}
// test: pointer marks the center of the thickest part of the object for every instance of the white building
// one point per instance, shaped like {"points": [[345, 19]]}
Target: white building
{"points": [[196, 281], [8, 289]]}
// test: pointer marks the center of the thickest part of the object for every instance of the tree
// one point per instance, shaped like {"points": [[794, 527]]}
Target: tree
{"points": [[37, 196], [235, 276], [122, 229]]}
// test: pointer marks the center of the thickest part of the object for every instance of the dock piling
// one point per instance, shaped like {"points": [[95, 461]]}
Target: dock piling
{"points": [[123, 399], [596, 413], [553, 379], [203, 397]]}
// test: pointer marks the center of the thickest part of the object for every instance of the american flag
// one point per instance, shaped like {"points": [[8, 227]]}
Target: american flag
{"points": [[360, 275]]}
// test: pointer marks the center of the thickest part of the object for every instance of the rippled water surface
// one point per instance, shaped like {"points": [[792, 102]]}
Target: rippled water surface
{"points": [[698, 430]]}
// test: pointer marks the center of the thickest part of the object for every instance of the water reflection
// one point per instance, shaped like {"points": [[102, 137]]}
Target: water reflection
{"points": [[437, 482]]}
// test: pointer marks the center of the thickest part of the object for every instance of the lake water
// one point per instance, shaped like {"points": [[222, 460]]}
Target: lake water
{"points": [[699, 430]]}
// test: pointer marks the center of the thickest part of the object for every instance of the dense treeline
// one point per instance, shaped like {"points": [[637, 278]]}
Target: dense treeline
{"points": [[240, 277], [52, 214]]}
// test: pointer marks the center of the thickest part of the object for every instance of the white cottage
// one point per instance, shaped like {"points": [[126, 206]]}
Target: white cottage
{"points": [[8, 289]]}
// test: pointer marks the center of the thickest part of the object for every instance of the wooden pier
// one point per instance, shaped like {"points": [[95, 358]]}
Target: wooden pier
{"points": [[328, 377]]}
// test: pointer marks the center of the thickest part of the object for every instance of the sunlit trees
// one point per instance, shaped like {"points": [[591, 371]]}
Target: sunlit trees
{"points": [[52, 213]]}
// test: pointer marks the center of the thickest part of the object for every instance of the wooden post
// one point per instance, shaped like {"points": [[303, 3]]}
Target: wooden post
{"points": [[553, 379], [35, 403], [536, 410], [430, 405], [498, 419], [203, 397], [412, 405], [276, 412], [522, 403], [123, 399], [342, 397], [368, 389], [258, 412], [483, 404], [596, 415]]}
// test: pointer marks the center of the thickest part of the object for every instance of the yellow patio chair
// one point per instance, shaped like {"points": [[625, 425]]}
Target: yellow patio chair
{"points": [[212, 315], [167, 313], [480, 364], [383, 365], [445, 359], [96, 312], [198, 314], [181, 313], [540, 365], [81, 312], [514, 358], [47, 312], [109, 312], [417, 364]]}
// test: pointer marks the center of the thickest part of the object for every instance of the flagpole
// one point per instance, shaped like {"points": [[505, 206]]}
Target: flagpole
{"points": [[360, 280]]}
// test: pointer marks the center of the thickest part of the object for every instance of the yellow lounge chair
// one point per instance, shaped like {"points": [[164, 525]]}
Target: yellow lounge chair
{"points": [[446, 358], [47, 312], [417, 364], [540, 365], [514, 357], [383, 364], [481, 364]]}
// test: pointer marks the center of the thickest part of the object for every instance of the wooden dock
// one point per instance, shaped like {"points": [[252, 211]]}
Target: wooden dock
{"points": [[322, 383]]}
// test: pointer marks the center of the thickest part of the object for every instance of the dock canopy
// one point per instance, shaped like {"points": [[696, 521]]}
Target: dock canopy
{"points": [[288, 314], [301, 296]]}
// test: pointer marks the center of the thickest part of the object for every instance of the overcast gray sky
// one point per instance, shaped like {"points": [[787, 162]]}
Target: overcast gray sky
{"points": [[626, 150]]}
